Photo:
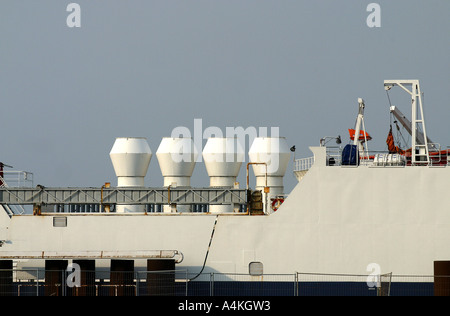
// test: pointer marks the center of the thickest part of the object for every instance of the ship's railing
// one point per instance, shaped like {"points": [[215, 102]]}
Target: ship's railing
{"points": [[334, 156], [15, 178], [38, 282], [448, 156], [303, 164], [99, 200], [437, 157]]}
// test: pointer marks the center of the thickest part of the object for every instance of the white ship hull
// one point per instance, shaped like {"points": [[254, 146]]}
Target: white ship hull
{"points": [[337, 219], [350, 214]]}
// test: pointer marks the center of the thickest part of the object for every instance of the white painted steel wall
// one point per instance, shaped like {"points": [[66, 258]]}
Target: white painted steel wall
{"points": [[336, 220]]}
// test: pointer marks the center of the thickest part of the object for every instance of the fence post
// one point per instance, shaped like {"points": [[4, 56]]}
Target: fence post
{"points": [[211, 284], [136, 275], [37, 282], [186, 289], [63, 283]]}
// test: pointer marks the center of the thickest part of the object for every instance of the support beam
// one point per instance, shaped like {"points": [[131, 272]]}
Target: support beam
{"points": [[127, 196]]}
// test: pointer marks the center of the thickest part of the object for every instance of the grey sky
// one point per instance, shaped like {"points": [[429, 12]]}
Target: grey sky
{"points": [[142, 68]]}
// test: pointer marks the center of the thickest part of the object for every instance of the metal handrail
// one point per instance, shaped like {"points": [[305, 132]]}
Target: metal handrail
{"points": [[16, 178]]}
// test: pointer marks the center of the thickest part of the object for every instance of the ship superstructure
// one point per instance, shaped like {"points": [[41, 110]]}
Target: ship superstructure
{"points": [[350, 209]]}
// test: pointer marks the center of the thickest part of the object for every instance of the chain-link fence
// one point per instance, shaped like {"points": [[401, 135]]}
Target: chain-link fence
{"points": [[182, 283]]}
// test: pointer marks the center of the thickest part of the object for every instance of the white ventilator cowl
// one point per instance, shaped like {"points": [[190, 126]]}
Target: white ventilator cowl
{"points": [[130, 157]]}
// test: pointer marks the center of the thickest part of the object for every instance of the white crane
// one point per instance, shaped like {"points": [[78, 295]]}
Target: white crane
{"points": [[363, 149], [419, 140]]}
